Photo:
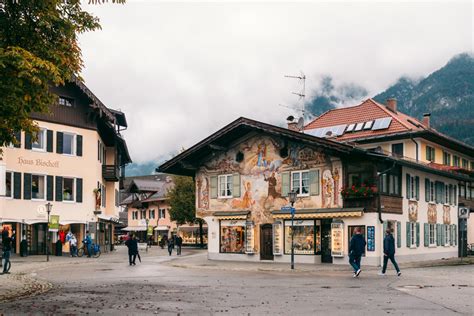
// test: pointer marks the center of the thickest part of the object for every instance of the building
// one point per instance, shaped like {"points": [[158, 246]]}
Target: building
{"points": [[75, 164], [245, 171]]}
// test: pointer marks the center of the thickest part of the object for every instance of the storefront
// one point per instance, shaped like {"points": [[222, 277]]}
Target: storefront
{"points": [[232, 236], [191, 235]]}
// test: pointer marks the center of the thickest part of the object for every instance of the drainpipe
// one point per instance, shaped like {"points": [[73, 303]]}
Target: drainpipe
{"points": [[379, 206], [416, 147]]}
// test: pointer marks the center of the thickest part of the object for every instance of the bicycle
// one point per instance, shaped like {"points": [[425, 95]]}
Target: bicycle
{"points": [[95, 251]]}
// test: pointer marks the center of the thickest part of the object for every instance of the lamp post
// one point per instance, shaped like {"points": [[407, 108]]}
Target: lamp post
{"points": [[48, 210], [292, 196], [146, 234]]}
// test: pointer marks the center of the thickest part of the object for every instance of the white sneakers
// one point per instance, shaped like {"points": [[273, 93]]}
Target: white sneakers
{"points": [[381, 273], [399, 273]]}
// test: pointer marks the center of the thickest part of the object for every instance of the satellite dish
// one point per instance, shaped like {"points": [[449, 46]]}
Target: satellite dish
{"points": [[300, 124]]}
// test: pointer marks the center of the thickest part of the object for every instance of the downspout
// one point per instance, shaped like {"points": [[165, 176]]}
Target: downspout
{"points": [[416, 147], [379, 203]]}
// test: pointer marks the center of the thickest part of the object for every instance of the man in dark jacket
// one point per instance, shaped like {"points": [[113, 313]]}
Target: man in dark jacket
{"points": [[389, 252], [132, 246], [356, 249], [7, 248], [179, 243]]}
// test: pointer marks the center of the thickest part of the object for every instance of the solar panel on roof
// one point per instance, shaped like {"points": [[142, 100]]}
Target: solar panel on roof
{"points": [[359, 126], [368, 125], [382, 123], [327, 131], [350, 128]]}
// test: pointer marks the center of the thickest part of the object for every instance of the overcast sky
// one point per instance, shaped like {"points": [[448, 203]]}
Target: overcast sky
{"points": [[181, 71]]}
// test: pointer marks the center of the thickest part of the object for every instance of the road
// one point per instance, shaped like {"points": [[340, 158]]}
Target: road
{"points": [[108, 285]]}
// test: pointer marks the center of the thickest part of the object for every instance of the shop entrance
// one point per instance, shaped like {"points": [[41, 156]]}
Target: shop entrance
{"points": [[266, 242], [326, 241]]}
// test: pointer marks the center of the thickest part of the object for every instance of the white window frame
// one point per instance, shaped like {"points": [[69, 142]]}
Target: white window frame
{"points": [[142, 212], [43, 145], [161, 213], [45, 184], [152, 212], [447, 196], [134, 214], [432, 194], [73, 144], [228, 186], [12, 184], [412, 234], [73, 190], [412, 188], [300, 172], [68, 102], [447, 235], [432, 229]]}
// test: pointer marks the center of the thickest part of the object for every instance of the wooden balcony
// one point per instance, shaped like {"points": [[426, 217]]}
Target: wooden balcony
{"points": [[111, 173], [389, 204], [368, 203]]}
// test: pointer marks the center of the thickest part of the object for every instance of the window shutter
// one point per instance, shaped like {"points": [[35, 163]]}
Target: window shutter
{"points": [[79, 190], [28, 141], [27, 186], [59, 142], [17, 185], [18, 139], [417, 188], [213, 187], [408, 186], [451, 237], [399, 234], [418, 234], [455, 191], [443, 235], [384, 227], [455, 234], [79, 145], [59, 189], [49, 188], [285, 183], [443, 193], [438, 234], [408, 226], [428, 153], [98, 152], [427, 190], [236, 185], [49, 141], [314, 182], [427, 238], [437, 192]]}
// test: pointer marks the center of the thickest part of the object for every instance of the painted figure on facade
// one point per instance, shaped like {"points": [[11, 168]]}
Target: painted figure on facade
{"points": [[446, 214], [413, 211], [432, 216], [327, 183], [246, 202], [203, 192], [272, 183], [336, 186]]}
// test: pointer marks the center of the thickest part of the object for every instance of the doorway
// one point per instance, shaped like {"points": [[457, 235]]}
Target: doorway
{"points": [[266, 242], [326, 256]]}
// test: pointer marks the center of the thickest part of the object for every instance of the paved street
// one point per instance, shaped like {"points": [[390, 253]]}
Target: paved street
{"points": [[192, 285]]}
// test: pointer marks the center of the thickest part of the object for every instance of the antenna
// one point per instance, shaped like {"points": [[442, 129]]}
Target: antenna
{"points": [[301, 94]]}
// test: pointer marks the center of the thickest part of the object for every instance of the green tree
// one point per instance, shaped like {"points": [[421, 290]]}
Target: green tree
{"points": [[182, 201], [38, 48]]}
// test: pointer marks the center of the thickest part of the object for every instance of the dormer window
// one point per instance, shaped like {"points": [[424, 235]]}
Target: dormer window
{"points": [[66, 101]]}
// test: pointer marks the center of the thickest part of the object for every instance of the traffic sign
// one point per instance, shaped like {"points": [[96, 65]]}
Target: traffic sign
{"points": [[288, 209]]}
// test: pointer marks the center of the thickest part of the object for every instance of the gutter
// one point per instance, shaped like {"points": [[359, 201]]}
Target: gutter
{"points": [[416, 146], [379, 206]]}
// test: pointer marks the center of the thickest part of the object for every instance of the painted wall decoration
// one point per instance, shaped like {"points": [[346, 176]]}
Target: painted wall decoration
{"points": [[202, 184], [446, 214], [432, 216], [412, 211]]}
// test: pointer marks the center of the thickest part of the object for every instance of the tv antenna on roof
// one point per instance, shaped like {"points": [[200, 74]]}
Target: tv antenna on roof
{"points": [[301, 95]]}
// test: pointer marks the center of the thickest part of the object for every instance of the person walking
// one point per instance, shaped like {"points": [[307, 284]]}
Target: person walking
{"points": [[132, 246], [73, 245], [356, 249], [24, 246], [389, 252], [179, 243], [88, 242], [7, 248], [170, 245]]}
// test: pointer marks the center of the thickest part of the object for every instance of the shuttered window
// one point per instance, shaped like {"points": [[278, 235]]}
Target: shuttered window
{"points": [[300, 182], [79, 190], [59, 189], [8, 184], [17, 185], [412, 187], [50, 188], [411, 234], [214, 187], [79, 145], [27, 186], [225, 184], [49, 141], [59, 142]]}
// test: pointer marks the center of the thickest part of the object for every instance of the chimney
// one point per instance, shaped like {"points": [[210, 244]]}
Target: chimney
{"points": [[426, 119], [392, 104], [293, 126]]}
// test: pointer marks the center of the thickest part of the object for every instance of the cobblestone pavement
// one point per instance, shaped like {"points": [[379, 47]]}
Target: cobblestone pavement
{"points": [[191, 285]]}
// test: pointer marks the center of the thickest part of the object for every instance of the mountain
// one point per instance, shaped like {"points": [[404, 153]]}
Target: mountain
{"points": [[448, 94], [141, 169]]}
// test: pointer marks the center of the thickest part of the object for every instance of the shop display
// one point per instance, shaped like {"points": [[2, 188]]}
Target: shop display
{"points": [[249, 244], [276, 239], [306, 239], [370, 238], [337, 239], [191, 236], [232, 235]]}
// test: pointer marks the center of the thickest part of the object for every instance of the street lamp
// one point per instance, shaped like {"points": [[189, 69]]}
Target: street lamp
{"points": [[292, 196], [146, 234], [48, 210]]}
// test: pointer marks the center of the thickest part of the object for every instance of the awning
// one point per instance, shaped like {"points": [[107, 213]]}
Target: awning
{"points": [[320, 213], [232, 215], [35, 221], [162, 227], [71, 222], [9, 220], [109, 218], [134, 228]]}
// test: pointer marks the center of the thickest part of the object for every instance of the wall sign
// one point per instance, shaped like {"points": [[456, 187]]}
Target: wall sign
{"points": [[370, 238], [38, 162], [249, 238], [54, 223], [337, 239], [277, 239]]}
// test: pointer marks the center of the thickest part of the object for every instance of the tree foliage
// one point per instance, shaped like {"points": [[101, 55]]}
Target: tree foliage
{"points": [[38, 48], [182, 200]]}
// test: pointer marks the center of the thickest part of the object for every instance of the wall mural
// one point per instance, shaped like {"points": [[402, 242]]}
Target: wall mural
{"points": [[432, 216], [260, 176], [412, 211], [446, 214]]}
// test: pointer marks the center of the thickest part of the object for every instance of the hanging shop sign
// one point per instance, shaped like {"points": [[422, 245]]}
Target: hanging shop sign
{"points": [[149, 231], [54, 223], [337, 239], [370, 238], [277, 239], [249, 237]]}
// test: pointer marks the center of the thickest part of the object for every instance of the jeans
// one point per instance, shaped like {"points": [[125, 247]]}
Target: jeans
{"points": [[132, 258], [355, 262], [73, 251], [6, 258], [178, 250], [385, 261], [89, 250]]}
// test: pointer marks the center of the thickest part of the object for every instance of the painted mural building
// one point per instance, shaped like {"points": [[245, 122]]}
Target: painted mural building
{"points": [[75, 164], [244, 172]]}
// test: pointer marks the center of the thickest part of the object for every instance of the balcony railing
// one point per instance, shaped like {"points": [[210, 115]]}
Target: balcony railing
{"points": [[110, 173], [388, 204]]}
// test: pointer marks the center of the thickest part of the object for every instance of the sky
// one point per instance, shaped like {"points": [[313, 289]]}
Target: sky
{"points": [[182, 70]]}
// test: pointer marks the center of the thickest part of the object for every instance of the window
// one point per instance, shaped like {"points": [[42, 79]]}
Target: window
{"points": [[447, 235], [456, 161], [300, 182], [432, 234], [447, 195], [465, 165], [430, 153], [397, 150], [412, 235], [69, 144], [446, 159], [383, 183], [68, 189], [162, 213], [394, 185], [368, 125], [232, 236], [472, 165], [135, 215], [142, 214], [307, 238], [38, 187], [8, 184], [152, 214], [66, 101], [40, 143], [225, 186]]}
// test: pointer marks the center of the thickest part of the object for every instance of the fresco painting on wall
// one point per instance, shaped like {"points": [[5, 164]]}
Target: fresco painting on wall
{"points": [[412, 211], [446, 214], [202, 184], [432, 216]]}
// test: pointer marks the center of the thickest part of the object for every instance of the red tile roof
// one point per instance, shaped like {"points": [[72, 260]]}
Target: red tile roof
{"points": [[366, 111]]}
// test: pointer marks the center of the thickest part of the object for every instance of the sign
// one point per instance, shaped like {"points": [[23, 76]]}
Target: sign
{"points": [[277, 239], [463, 212], [38, 162], [54, 223], [288, 209], [249, 238], [370, 238], [149, 231], [337, 239]]}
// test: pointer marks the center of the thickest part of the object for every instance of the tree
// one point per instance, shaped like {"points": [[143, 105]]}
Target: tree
{"points": [[38, 48], [182, 201]]}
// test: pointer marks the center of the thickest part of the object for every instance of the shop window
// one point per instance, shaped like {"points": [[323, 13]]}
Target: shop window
{"points": [[152, 214], [432, 234], [68, 189], [38, 187], [69, 144], [300, 182], [40, 143], [161, 213], [8, 184], [232, 237], [307, 238], [66, 101], [446, 159], [397, 150], [351, 233], [225, 186], [447, 235]]}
